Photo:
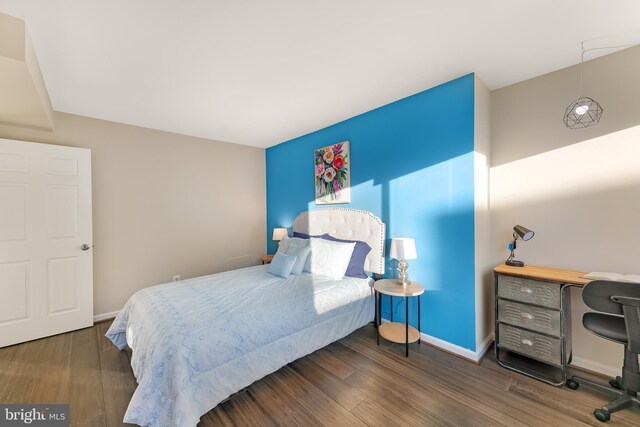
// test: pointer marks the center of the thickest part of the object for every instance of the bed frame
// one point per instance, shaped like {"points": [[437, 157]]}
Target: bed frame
{"points": [[349, 224]]}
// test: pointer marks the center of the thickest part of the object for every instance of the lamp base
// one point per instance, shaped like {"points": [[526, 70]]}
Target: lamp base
{"points": [[514, 263], [403, 276]]}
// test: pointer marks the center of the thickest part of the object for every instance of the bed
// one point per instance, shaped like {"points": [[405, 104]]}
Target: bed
{"points": [[196, 342]]}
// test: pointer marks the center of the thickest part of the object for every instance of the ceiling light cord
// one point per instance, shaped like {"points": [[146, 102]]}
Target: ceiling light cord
{"points": [[583, 51], [581, 64]]}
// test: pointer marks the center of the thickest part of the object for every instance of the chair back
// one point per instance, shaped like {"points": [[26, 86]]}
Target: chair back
{"points": [[619, 298]]}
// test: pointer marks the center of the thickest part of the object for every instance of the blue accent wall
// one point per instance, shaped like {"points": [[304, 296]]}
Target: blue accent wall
{"points": [[412, 165]]}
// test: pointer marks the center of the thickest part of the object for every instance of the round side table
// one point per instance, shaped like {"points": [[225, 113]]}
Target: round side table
{"points": [[401, 333]]}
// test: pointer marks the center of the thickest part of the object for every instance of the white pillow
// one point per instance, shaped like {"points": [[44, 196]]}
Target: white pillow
{"points": [[329, 258]]}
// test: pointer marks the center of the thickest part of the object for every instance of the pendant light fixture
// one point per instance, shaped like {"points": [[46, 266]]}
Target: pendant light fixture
{"points": [[584, 111]]}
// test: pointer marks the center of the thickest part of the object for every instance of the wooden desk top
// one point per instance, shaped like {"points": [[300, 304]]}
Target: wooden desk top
{"points": [[544, 273]]}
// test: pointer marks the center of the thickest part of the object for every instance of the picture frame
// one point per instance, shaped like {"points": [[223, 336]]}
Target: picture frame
{"points": [[332, 174]]}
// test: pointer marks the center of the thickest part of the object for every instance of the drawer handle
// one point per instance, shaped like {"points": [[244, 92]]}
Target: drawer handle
{"points": [[527, 342], [526, 290], [527, 316]]}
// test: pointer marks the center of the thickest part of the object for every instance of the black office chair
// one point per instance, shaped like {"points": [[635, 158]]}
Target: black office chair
{"points": [[622, 300]]}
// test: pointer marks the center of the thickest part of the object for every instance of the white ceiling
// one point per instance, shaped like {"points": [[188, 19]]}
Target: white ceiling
{"points": [[262, 72]]}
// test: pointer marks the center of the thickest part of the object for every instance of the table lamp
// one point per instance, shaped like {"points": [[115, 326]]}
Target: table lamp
{"points": [[525, 234], [402, 249], [279, 234]]}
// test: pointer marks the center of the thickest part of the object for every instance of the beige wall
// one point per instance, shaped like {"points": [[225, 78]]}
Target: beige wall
{"points": [[482, 219], [25, 100], [163, 204], [579, 190]]}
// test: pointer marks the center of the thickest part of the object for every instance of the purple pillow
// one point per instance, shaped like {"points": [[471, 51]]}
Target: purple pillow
{"points": [[306, 236], [360, 252]]}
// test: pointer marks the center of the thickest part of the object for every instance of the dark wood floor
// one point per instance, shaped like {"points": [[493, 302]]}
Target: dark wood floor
{"points": [[350, 382]]}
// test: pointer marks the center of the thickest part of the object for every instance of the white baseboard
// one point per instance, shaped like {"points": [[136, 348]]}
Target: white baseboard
{"points": [[590, 365], [105, 316], [474, 356], [485, 346]]}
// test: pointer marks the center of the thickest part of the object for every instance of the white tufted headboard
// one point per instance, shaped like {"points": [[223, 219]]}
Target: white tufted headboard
{"points": [[349, 224]]}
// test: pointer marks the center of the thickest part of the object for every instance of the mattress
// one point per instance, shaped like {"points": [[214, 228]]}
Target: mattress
{"points": [[196, 342]]}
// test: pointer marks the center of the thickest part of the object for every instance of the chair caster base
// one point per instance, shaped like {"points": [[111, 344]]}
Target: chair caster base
{"points": [[616, 383], [601, 415], [573, 385]]}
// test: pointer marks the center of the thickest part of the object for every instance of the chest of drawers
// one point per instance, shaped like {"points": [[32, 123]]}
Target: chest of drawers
{"points": [[533, 329]]}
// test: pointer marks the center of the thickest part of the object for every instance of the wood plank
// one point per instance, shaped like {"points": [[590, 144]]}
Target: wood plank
{"points": [[6, 357], [338, 390], [375, 415], [244, 410], [86, 398], [328, 361], [318, 404], [52, 383], [280, 404], [216, 417], [416, 407], [22, 373], [544, 273], [118, 381], [301, 418]]}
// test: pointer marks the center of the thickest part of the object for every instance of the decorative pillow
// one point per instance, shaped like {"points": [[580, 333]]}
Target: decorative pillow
{"points": [[282, 264], [289, 241], [306, 236], [301, 253], [360, 252], [328, 258]]}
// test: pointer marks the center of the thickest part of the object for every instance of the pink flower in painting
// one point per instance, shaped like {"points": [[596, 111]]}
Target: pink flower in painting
{"points": [[338, 162], [328, 156], [336, 186], [319, 169], [337, 149], [329, 174]]}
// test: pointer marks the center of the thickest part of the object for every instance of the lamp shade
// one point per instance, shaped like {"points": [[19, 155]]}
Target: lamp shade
{"points": [[403, 248], [524, 233], [280, 233], [582, 113]]}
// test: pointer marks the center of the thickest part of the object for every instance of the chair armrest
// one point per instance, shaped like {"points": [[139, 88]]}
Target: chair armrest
{"points": [[629, 301]]}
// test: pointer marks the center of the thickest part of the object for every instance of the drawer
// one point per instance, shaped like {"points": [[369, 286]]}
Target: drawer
{"points": [[529, 291], [530, 317], [530, 344]]}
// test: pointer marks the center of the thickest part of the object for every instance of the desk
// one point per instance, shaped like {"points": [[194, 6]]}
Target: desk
{"points": [[533, 320]]}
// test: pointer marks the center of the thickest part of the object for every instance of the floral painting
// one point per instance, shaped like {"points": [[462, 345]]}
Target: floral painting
{"points": [[332, 174]]}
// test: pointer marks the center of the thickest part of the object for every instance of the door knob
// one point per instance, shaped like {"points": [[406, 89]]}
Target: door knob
{"points": [[85, 247]]}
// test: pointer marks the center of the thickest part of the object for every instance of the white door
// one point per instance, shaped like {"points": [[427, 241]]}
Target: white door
{"points": [[46, 274]]}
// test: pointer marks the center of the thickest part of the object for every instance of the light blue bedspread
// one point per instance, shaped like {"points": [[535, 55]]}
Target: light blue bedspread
{"points": [[198, 341]]}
